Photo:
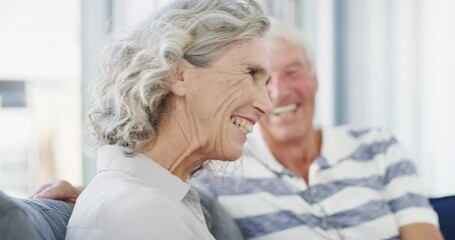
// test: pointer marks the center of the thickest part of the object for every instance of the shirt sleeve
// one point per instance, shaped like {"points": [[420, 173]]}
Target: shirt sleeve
{"points": [[403, 189], [144, 218]]}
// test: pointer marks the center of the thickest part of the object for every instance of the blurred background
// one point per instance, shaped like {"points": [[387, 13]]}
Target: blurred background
{"points": [[380, 63]]}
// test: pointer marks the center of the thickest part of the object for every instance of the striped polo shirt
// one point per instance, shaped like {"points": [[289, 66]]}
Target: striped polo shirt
{"points": [[362, 186]]}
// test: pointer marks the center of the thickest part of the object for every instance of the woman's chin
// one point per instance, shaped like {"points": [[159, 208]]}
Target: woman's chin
{"points": [[232, 155], [229, 152]]}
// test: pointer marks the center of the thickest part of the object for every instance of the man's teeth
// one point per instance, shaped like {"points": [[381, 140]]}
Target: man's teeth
{"points": [[243, 124], [285, 109]]}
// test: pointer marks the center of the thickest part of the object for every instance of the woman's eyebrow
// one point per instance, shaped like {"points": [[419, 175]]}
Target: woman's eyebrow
{"points": [[249, 66], [243, 67]]}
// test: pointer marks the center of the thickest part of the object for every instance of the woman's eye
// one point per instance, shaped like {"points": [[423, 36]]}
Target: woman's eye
{"points": [[252, 72]]}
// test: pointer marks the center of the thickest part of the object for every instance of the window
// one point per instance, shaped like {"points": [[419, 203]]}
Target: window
{"points": [[40, 117], [391, 68]]}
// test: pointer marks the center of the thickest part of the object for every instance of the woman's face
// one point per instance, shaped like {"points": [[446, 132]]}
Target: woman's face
{"points": [[224, 101]]}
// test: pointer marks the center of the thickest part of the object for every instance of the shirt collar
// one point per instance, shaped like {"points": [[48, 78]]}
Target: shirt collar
{"points": [[257, 147], [336, 142], [112, 157]]}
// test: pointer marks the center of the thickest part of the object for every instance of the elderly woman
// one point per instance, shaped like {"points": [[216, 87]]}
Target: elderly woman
{"points": [[185, 87]]}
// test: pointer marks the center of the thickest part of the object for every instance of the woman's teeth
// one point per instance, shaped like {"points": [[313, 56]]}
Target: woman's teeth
{"points": [[285, 109], [243, 124]]}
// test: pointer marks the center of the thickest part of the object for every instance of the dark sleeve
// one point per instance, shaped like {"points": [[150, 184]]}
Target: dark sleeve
{"points": [[33, 219]]}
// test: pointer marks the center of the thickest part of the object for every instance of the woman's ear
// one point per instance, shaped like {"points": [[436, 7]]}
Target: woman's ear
{"points": [[179, 84]]}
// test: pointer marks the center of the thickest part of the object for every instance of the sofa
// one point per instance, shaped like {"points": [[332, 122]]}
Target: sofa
{"points": [[445, 207], [40, 219], [45, 219]]}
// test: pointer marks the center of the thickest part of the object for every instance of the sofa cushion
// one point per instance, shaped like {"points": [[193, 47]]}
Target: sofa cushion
{"points": [[445, 207]]}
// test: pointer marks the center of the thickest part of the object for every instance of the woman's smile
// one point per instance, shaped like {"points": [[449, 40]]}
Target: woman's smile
{"points": [[243, 124]]}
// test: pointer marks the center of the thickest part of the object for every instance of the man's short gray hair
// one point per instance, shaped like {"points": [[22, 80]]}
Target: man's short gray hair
{"points": [[282, 35]]}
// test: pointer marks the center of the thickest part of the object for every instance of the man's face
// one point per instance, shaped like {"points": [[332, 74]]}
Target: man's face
{"points": [[292, 91]]}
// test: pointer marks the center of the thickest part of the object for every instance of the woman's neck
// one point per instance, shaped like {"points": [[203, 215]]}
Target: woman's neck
{"points": [[174, 150]]}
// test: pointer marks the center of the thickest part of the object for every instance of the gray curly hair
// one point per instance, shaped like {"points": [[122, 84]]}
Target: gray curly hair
{"points": [[131, 98]]}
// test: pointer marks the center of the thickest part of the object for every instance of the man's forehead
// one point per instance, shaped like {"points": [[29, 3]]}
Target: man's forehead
{"points": [[292, 63]]}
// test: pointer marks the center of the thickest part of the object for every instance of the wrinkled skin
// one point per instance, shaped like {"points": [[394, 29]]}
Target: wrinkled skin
{"points": [[207, 99]]}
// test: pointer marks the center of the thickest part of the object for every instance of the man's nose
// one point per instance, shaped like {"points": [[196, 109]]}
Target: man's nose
{"points": [[277, 87]]}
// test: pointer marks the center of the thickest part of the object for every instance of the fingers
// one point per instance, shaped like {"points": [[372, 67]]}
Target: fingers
{"points": [[40, 189], [59, 190]]}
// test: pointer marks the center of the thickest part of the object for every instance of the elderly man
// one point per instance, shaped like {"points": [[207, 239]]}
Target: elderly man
{"points": [[298, 181]]}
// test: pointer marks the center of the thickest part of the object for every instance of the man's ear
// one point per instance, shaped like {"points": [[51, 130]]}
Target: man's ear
{"points": [[179, 85], [316, 82]]}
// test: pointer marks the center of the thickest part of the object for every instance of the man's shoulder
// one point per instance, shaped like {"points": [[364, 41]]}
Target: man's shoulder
{"points": [[358, 133], [345, 141]]}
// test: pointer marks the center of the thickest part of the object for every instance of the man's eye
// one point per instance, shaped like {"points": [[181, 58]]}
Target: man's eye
{"points": [[291, 73]]}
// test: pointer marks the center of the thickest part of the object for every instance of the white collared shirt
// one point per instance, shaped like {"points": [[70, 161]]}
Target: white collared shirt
{"points": [[136, 198]]}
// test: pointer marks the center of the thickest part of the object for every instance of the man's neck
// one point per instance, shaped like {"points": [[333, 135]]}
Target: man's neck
{"points": [[297, 156]]}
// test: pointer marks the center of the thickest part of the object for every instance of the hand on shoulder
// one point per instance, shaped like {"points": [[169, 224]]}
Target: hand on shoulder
{"points": [[58, 190]]}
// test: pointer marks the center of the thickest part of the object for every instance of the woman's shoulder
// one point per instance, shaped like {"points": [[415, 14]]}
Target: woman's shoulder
{"points": [[127, 204], [128, 192], [150, 211]]}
